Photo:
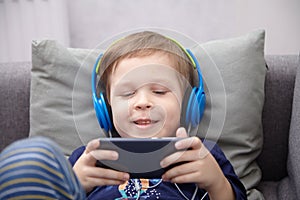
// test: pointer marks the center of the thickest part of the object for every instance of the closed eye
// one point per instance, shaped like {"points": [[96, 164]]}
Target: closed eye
{"points": [[128, 94], [160, 92]]}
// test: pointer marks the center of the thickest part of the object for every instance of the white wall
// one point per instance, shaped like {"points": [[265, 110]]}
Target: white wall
{"points": [[86, 23], [21, 21], [92, 21]]}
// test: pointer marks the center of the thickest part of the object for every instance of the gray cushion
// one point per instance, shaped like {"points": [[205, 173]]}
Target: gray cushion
{"points": [[240, 62], [56, 90]]}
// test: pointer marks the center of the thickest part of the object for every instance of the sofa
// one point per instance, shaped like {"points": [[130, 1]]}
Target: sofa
{"points": [[279, 159]]}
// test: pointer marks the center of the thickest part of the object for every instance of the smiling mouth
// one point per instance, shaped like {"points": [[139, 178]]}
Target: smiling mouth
{"points": [[144, 122]]}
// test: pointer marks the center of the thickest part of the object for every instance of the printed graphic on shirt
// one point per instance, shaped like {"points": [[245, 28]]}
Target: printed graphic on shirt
{"points": [[141, 188]]}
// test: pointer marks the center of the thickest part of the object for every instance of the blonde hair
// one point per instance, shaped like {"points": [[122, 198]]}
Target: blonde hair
{"points": [[143, 44]]}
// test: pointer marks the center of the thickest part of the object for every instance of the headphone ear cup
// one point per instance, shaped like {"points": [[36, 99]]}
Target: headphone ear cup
{"points": [[195, 107], [199, 105], [102, 113]]}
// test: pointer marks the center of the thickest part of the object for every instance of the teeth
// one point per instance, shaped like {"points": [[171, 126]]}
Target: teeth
{"points": [[143, 122]]}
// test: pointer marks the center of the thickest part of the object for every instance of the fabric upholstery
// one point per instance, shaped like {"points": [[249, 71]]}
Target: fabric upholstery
{"points": [[269, 189], [277, 110], [293, 164], [14, 103]]}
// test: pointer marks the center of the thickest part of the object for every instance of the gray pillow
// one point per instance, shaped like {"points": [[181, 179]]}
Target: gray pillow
{"points": [[235, 121], [234, 74], [56, 90]]}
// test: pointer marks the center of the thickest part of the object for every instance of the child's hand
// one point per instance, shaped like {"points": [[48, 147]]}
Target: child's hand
{"points": [[89, 175], [199, 167]]}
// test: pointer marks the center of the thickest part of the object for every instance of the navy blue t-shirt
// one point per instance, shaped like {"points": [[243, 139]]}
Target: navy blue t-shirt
{"points": [[164, 190]]}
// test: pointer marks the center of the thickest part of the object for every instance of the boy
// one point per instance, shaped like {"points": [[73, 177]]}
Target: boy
{"points": [[144, 88], [144, 77]]}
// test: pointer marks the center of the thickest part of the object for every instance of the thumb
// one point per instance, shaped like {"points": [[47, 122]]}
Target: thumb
{"points": [[89, 157], [92, 145], [181, 132]]}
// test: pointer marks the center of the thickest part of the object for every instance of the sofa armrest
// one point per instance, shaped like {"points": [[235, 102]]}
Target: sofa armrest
{"points": [[14, 101], [293, 165], [276, 117]]}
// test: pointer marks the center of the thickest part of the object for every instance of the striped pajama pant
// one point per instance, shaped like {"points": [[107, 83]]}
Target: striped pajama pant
{"points": [[35, 168]]}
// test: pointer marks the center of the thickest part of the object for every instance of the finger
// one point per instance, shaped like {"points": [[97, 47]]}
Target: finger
{"points": [[185, 156], [191, 142], [92, 145], [92, 157], [112, 174], [92, 181], [103, 182], [179, 157], [103, 173], [181, 133], [181, 170], [184, 178], [104, 155]]}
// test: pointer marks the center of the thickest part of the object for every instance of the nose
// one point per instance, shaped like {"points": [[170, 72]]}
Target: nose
{"points": [[142, 101]]}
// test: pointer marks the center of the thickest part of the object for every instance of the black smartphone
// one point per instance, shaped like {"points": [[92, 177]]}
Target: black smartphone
{"points": [[140, 157]]}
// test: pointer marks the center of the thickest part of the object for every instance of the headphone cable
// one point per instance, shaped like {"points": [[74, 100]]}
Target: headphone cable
{"points": [[138, 189]]}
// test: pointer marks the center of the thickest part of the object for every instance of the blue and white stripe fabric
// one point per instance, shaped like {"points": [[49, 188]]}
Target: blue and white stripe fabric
{"points": [[35, 168]]}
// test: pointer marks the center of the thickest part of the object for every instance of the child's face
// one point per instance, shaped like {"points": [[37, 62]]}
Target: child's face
{"points": [[145, 97]]}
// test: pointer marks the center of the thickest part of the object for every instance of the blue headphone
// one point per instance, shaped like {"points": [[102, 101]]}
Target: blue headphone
{"points": [[194, 108]]}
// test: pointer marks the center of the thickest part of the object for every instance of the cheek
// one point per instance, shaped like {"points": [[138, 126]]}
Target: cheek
{"points": [[172, 120], [120, 109], [173, 111]]}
